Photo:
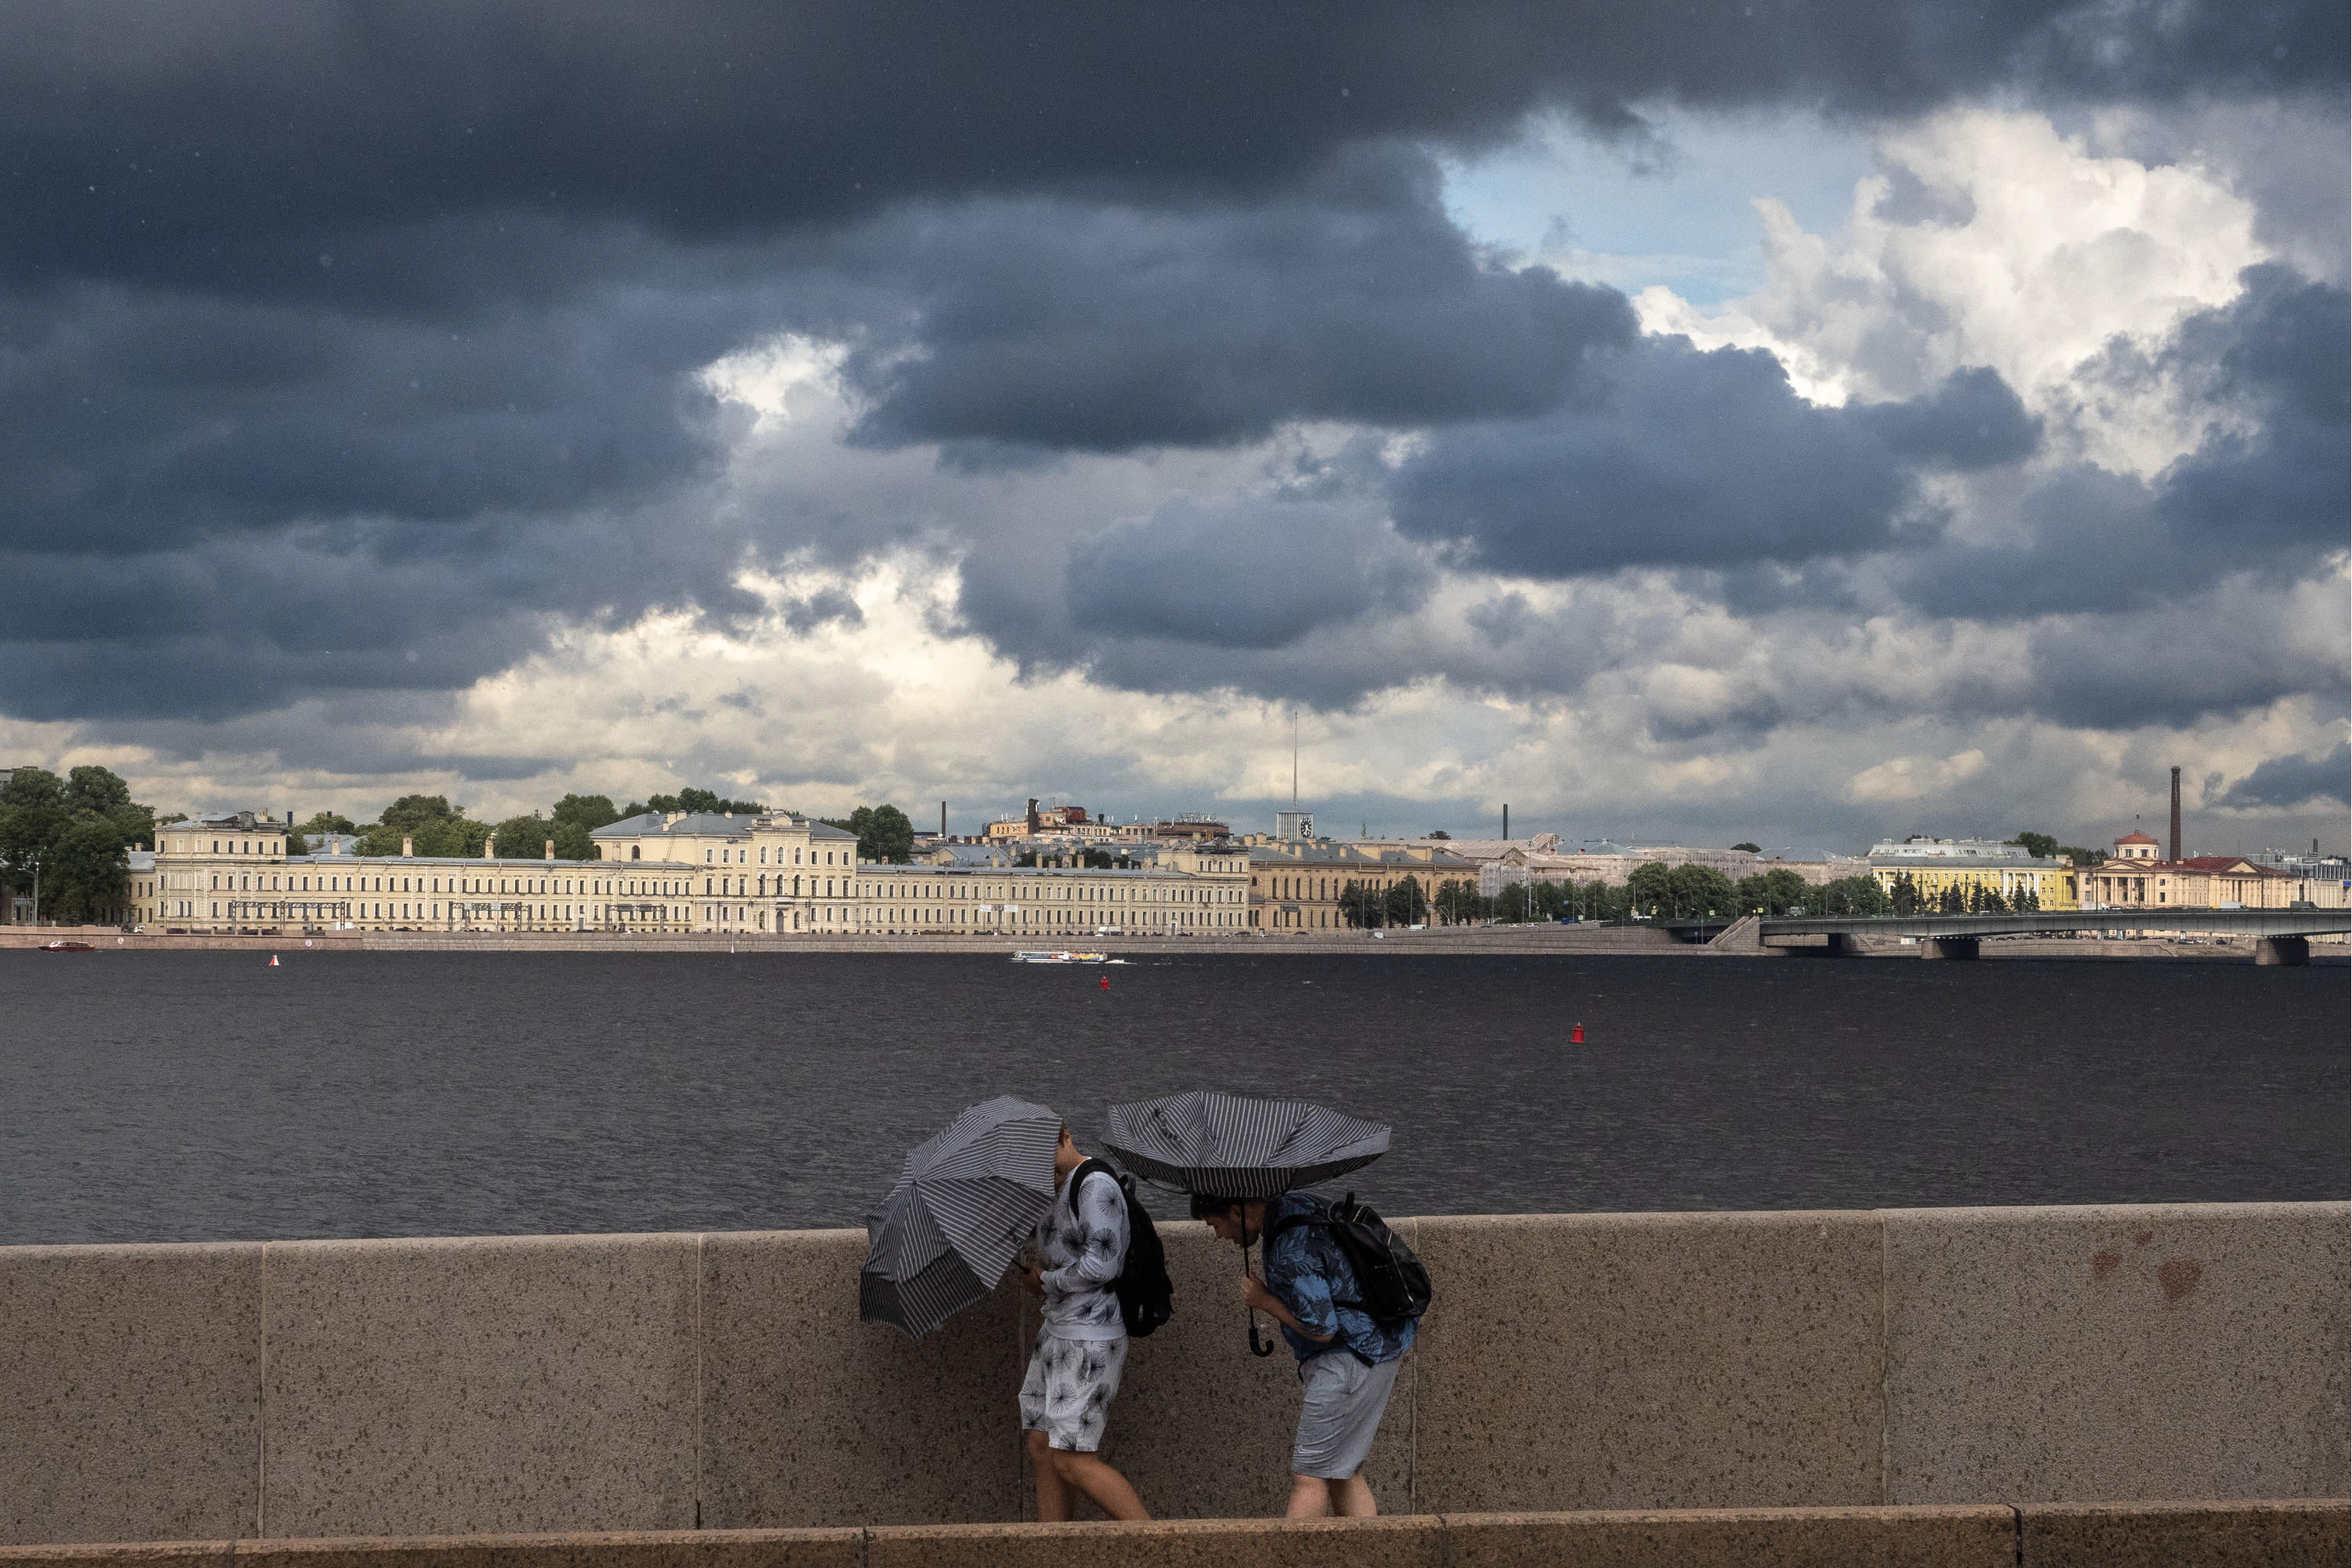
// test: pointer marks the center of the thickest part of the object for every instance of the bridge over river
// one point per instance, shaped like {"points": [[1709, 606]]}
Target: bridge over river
{"points": [[2281, 936]]}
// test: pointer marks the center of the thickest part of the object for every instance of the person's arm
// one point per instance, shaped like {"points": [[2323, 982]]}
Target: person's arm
{"points": [[1101, 1210], [1255, 1294]]}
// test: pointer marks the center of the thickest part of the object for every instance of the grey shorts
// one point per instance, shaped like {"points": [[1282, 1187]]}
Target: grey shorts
{"points": [[1070, 1388], [1338, 1415]]}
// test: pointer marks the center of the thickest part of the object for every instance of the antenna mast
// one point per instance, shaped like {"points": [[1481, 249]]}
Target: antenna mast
{"points": [[1294, 759]]}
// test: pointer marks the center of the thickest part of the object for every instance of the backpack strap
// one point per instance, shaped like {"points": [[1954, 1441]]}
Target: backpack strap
{"points": [[1090, 1167]]}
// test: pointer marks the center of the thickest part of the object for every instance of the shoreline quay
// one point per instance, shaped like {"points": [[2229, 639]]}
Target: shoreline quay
{"points": [[1566, 942]]}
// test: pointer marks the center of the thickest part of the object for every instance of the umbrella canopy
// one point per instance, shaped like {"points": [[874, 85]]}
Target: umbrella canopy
{"points": [[1224, 1143], [960, 1210]]}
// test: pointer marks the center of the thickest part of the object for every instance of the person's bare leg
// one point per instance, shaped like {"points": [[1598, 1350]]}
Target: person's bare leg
{"points": [[1104, 1487], [1055, 1503], [1352, 1498], [1310, 1497]]}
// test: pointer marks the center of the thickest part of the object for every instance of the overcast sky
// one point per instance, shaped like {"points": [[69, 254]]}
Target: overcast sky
{"points": [[1788, 422]]}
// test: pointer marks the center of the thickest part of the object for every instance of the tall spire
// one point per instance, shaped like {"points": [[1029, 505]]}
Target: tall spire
{"points": [[1294, 759]]}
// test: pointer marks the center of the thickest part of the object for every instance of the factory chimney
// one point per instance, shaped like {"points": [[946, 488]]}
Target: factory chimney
{"points": [[2176, 813], [1507, 820]]}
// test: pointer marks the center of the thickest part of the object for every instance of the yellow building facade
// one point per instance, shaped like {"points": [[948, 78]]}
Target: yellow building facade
{"points": [[775, 873]]}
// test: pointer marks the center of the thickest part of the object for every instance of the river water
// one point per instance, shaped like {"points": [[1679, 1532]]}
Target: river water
{"points": [[203, 1096]]}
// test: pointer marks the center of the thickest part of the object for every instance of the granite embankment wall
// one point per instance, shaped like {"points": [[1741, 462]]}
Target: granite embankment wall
{"points": [[1591, 940], [721, 1382]]}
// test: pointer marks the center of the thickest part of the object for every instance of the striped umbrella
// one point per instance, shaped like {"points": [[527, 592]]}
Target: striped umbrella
{"points": [[1238, 1148], [1234, 1147], [963, 1205]]}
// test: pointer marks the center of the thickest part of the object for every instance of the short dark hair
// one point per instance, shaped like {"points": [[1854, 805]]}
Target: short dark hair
{"points": [[1207, 1203]]}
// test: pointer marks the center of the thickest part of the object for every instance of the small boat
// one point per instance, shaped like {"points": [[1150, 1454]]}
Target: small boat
{"points": [[1064, 955], [64, 946]]}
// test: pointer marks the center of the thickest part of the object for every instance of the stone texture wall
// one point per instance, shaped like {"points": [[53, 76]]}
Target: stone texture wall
{"points": [[1606, 1361]]}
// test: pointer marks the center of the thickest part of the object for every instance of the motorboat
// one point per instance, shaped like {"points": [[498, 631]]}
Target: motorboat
{"points": [[1064, 955], [61, 945]]}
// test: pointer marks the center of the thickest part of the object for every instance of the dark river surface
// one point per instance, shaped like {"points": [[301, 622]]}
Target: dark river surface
{"points": [[203, 1096]]}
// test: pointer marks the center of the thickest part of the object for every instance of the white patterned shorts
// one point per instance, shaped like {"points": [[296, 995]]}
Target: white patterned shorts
{"points": [[1070, 1388]]}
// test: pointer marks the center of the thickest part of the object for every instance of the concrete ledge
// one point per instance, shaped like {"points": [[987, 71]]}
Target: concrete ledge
{"points": [[2110, 1535], [1984, 1536], [2316, 1531]]}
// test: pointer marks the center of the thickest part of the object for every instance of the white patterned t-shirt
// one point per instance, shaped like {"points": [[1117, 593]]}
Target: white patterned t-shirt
{"points": [[1084, 1251]]}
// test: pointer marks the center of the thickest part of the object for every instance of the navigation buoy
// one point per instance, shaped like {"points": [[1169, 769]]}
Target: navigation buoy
{"points": [[1106, 981], [1576, 1035], [273, 960]]}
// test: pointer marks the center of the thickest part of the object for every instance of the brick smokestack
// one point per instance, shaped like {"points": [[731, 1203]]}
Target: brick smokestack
{"points": [[2176, 813]]}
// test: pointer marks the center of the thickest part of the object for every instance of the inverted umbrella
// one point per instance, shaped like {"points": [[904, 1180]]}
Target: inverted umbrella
{"points": [[1234, 1147], [951, 1224]]}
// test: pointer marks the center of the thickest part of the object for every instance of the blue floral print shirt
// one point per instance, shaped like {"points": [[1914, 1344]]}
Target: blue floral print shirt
{"points": [[1304, 1267]]}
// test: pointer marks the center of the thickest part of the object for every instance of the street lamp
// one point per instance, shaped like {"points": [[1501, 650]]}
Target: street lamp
{"points": [[35, 861]]}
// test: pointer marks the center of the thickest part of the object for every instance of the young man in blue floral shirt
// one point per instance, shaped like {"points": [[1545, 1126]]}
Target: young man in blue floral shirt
{"points": [[1347, 1358]]}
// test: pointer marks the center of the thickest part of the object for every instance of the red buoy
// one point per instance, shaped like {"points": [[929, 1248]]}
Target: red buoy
{"points": [[1576, 1035], [1106, 980]]}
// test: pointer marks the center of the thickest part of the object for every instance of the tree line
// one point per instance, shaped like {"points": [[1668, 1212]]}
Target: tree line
{"points": [[436, 827], [1658, 890], [67, 837]]}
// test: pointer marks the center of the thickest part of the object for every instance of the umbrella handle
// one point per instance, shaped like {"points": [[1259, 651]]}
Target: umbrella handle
{"points": [[1256, 1349]]}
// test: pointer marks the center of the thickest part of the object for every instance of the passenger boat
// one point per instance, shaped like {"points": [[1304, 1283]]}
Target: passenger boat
{"points": [[63, 946], [1064, 955]]}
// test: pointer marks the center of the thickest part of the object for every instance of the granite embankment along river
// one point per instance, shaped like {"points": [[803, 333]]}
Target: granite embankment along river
{"points": [[721, 1382]]}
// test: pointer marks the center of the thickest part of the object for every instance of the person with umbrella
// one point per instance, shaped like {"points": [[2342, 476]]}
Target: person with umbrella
{"points": [[1240, 1158], [953, 1227], [1074, 1372]]}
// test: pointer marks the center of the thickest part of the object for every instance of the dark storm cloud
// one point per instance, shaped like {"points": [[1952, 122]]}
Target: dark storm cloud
{"points": [[2284, 782], [201, 139], [1174, 576], [1110, 329], [348, 347], [1683, 457]]}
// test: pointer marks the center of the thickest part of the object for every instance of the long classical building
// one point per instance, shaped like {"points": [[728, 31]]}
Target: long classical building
{"points": [[777, 872]]}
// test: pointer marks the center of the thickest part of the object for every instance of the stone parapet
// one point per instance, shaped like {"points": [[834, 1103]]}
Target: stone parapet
{"points": [[722, 1382], [2310, 1533]]}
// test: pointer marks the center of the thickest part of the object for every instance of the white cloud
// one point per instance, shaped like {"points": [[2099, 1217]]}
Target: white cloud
{"points": [[1990, 239]]}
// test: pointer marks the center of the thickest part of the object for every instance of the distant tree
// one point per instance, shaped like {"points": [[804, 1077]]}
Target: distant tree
{"points": [[1652, 887], [1457, 902], [96, 792], [1951, 902], [1991, 902], [325, 822], [521, 837], [84, 877], [2040, 845], [1701, 889], [1905, 898], [1437, 833], [430, 824], [1856, 896], [698, 800], [885, 837], [1404, 904], [589, 811], [1774, 892], [2082, 856], [1751, 848]]}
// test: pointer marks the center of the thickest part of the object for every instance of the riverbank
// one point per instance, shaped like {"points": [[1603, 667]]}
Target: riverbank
{"points": [[1590, 940]]}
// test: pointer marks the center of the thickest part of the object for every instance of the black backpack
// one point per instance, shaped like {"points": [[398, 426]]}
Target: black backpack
{"points": [[1143, 1286], [1393, 1285]]}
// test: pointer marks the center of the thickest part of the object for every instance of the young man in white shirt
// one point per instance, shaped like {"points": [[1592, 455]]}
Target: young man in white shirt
{"points": [[1081, 1344]]}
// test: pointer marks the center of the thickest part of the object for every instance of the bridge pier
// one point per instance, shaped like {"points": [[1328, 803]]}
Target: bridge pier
{"points": [[1948, 947], [2282, 951]]}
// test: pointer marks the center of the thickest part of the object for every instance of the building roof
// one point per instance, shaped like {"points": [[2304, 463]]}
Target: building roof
{"points": [[2135, 839], [1968, 863], [709, 824]]}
